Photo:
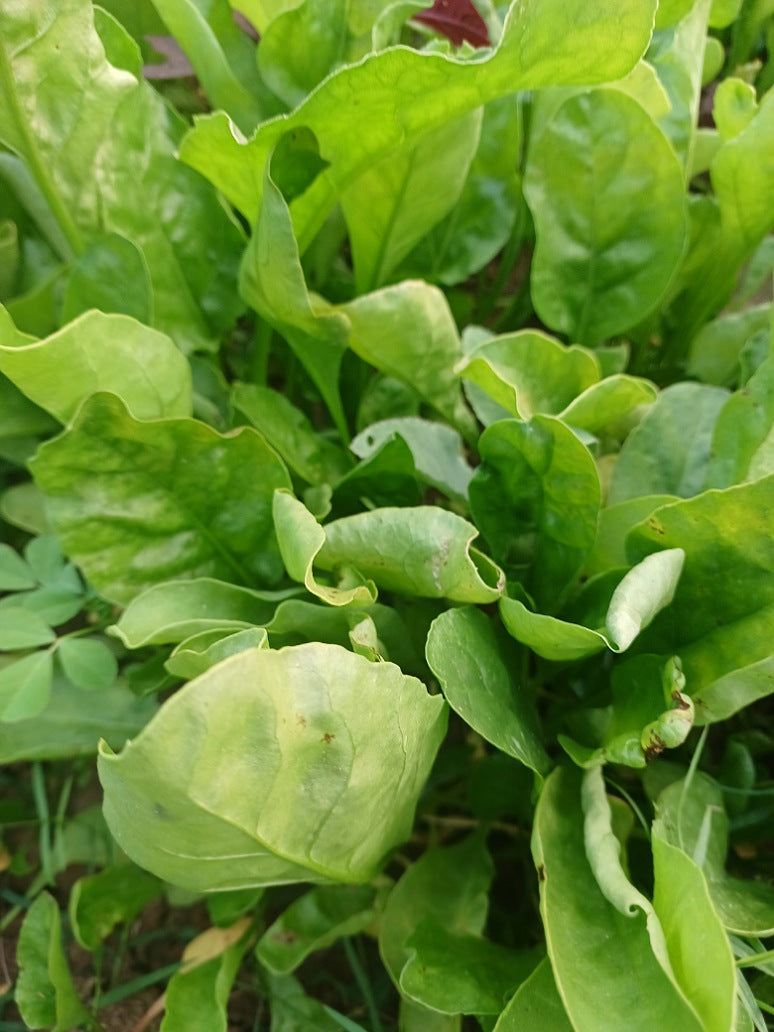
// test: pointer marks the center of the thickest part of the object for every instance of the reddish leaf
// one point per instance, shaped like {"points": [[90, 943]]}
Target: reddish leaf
{"points": [[457, 19]]}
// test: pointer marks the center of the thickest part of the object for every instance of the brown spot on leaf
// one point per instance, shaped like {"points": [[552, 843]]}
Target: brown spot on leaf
{"points": [[327, 738]]}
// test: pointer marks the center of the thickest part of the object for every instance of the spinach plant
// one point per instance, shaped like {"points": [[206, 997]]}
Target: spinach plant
{"points": [[387, 494]]}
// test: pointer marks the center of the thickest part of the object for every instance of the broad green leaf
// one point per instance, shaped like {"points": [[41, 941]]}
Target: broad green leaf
{"points": [[733, 107], [726, 537], [23, 506], [272, 281], [642, 593], [314, 921], [293, 1011], [197, 995], [529, 372], [137, 503], [717, 349], [387, 476], [73, 721], [425, 551], [678, 57], [743, 437], [474, 668], [343, 744], [142, 366], [449, 886], [610, 405], [535, 498], [588, 936], [110, 275], [289, 431], [301, 539], [15, 574], [686, 934], [405, 330], [607, 195], [698, 945], [615, 522], [735, 690], [89, 664], [202, 651], [222, 55], [437, 451], [668, 452], [173, 611], [25, 685], [45, 994], [457, 973], [21, 629], [302, 46], [480, 223], [692, 818], [109, 165], [398, 200], [536, 1005], [412, 1017], [98, 902], [559, 42]]}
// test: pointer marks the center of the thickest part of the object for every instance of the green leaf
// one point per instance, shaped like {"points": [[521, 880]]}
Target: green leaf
{"points": [[110, 275], [293, 1011], [45, 994], [698, 945], [425, 551], [73, 721], [744, 432], [287, 429], [143, 367], [110, 165], [99, 902], [558, 43], [437, 451], [15, 574], [449, 886], [21, 629], [529, 372], [483, 218], [615, 522], [202, 651], [610, 405], [314, 921], [197, 995], [474, 668], [194, 512], [223, 57], [461, 974], [726, 536], [692, 818], [607, 195], [587, 934], [535, 498], [398, 200], [536, 1005], [89, 664], [25, 686], [717, 349], [300, 539], [668, 452], [53, 605], [171, 612], [405, 330], [343, 744], [643, 592]]}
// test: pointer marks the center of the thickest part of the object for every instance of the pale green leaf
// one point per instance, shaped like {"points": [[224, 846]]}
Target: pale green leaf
{"points": [[25, 686], [536, 1005], [202, 651], [99, 902], [20, 629], [343, 744]]}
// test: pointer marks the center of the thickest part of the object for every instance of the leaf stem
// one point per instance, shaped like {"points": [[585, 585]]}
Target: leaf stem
{"points": [[363, 984]]}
